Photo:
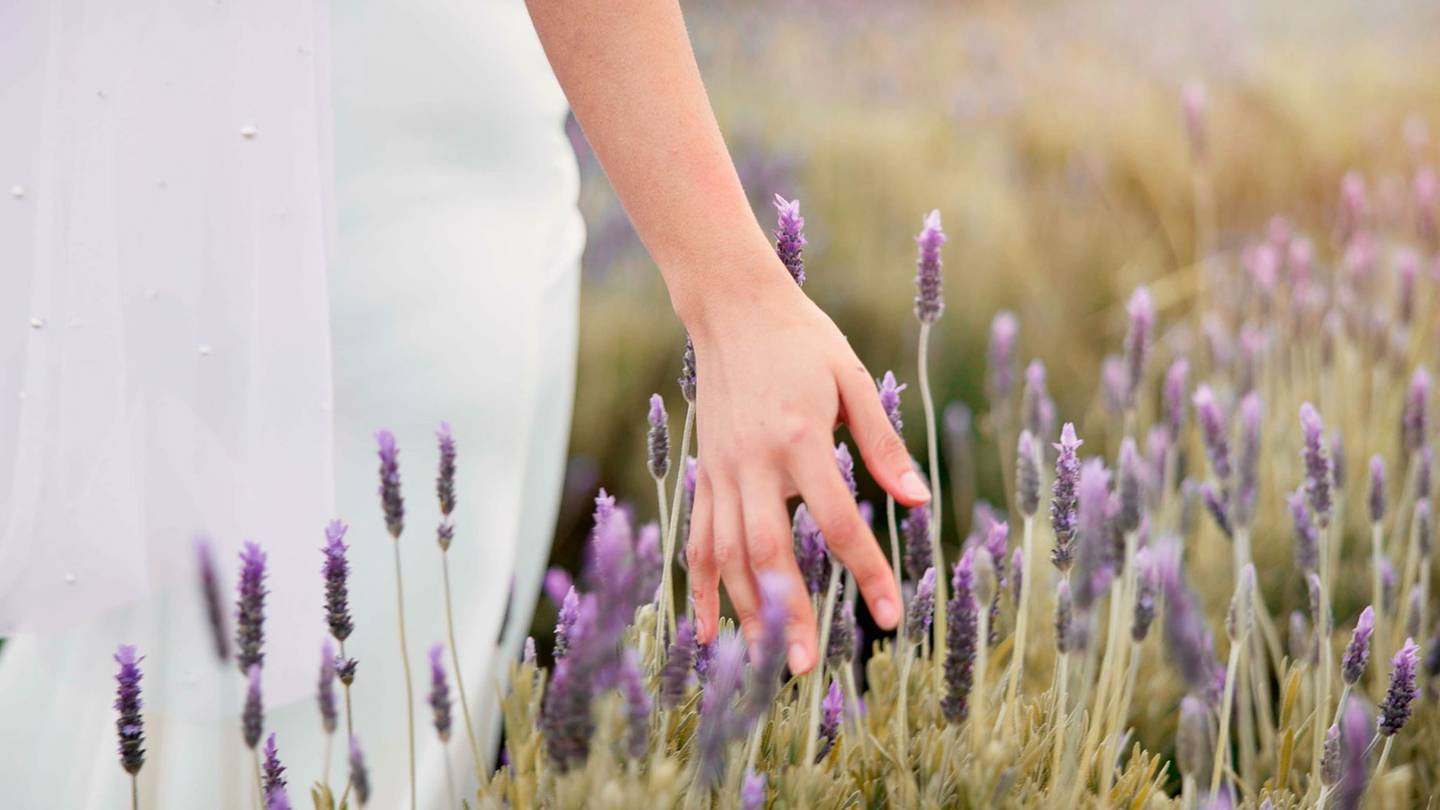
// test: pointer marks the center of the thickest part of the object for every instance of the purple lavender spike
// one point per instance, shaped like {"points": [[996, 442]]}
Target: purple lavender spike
{"points": [[1424, 529], [841, 649], [527, 657], [637, 704], [130, 724], [1331, 766], [658, 439], [675, 675], [445, 479], [1354, 754], [1317, 464], [890, 400], [916, 528], [1415, 417], [439, 692], [1175, 399], [962, 636], [1000, 368], [325, 692], [1114, 385], [846, 463], [391, 502], [1376, 500], [1337, 459], [769, 652], [1129, 487], [1357, 653], [790, 237], [718, 722], [1212, 430], [810, 551], [752, 792], [1307, 539], [337, 574], [565, 716], [1188, 641], [1146, 587], [1017, 573], [250, 608], [1064, 618], [252, 716], [929, 301], [1027, 474], [830, 710], [274, 772], [922, 608], [1141, 309], [1094, 566], [210, 593], [1037, 410], [569, 613], [557, 584], [687, 372], [1063, 502], [1387, 585], [359, 774], [1248, 467]]}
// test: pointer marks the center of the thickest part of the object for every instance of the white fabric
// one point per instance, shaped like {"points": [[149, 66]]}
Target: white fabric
{"points": [[205, 312]]}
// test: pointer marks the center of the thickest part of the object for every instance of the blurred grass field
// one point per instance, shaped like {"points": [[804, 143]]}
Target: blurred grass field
{"points": [[1050, 136]]}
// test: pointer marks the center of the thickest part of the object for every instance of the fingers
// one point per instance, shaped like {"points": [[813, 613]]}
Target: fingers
{"points": [[771, 551], [883, 450], [733, 561], [849, 539], [700, 551]]}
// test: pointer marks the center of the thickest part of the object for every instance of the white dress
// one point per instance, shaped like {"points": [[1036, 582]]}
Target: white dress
{"points": [[236, 238]]}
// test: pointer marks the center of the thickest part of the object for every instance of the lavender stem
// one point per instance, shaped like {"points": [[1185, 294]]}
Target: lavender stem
{"points": [[937, 556], [405, 661], [817, 675], [459, 672]]}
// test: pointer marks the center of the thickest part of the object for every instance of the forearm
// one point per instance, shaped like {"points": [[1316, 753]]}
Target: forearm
{"points": [[629, 72]]}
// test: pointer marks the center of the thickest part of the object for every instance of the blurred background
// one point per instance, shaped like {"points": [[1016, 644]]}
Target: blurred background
{"points": [[1052, 138]]}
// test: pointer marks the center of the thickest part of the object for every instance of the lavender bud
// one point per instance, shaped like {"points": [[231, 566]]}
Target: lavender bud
{"points": [[675, 675], [1407, 267], [1424, 529], [1063, 501], [252, 716], [1000, 377], [841, 649], [1129, 487], [1037, 410], [769, 658], [1027, 474], [1317, 464], [658, 439], [1141, 310], [1064, 618], [1212, 430], [1323, 623], [556, 584], [1387, 585], [1194, 744], [846, 463], [830, 711], [569, 612], [916, 529], [790, 237], [1017, 574], [445, 480], [890, 400], [922, 608], [337, 574], [129, 725], [345, 669], [962, 613], [752, 792], [528, 656], [210, 594], [1188, 642], [1354, 754], [250, 608], [359, 774], [565, 716], [637, 704], [1337, 458], [1146, 585], [439, 692], [1395, 709], [1377, 489], [810, 551], [984, 567], [717, 723], [1115, 385], [1174, 396], [1424, 462], [274, 772], [1412, 612], [929, 302], [1357, 653], [1094, 565], [391, 501], [1330, 764], [1307, 539], [325, 692], [1248, 473], [687, 372], [1414, 417]]}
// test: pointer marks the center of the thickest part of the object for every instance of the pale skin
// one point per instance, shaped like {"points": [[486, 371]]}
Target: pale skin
{"points": [[776, 376]]}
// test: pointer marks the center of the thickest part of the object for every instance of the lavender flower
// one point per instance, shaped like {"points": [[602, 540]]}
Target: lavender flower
{"points": [[1354, 754], [922, 608], [1064, 618], [658, 439], [929, 302], [1017, 573], [250, 608], [1027, 474], [687, 372], [210, 593], [1357, 653], [810, 551], [916, 528], [1376, 500], [345, 669], [569, 612], [1194, 743], [890, 400], [252, 716], [1317, 464], [1331, 767], [846, 463], [1094, 566], [390, 500], [1307, 539], [841, 649], [445, 479], [1146, 586], [718, 722], [790, 237], [1114, 385], [675, 675], [1176, 380], [337, 574], [752, 792], [1037, 410], [439, 692], [1248, 472], [1063, 502], [274, 772], [1000, 377], [1337, 459], [359, 774], [769, 659], [130, 725], [527, 657], [637, 704], [325, 692], [1141, 310], [830, 710], [277, 800], [1212, 430], [557, 584], [1188, 641], [962, 614], [1128, 487], [1414, 417], [565, 716], [1395, 709], [1424, 529]]}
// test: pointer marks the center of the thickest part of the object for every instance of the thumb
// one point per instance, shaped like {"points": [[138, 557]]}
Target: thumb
{"points": [[880, 446]]}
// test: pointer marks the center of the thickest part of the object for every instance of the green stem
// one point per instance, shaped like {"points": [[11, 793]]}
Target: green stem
{"points": [[937, 555], [817, 674], [671, 535], [1022, 619], [459, 672], [405, 661], [134, 791]]}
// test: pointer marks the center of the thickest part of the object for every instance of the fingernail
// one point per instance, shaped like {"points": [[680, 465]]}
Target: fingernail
{"points": [[913, 487], [799, 659], [886, 615]]}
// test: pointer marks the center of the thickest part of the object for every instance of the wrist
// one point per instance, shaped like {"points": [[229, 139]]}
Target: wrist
{"points": [[708, 297]]}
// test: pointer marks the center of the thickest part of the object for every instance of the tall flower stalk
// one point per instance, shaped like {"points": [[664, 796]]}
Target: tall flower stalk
{"points": [[129, 724], [929, 305], [392, 505], [445, 535]]}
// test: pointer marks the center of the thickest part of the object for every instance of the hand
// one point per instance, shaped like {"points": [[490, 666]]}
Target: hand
{"points": [[775, 377]]}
